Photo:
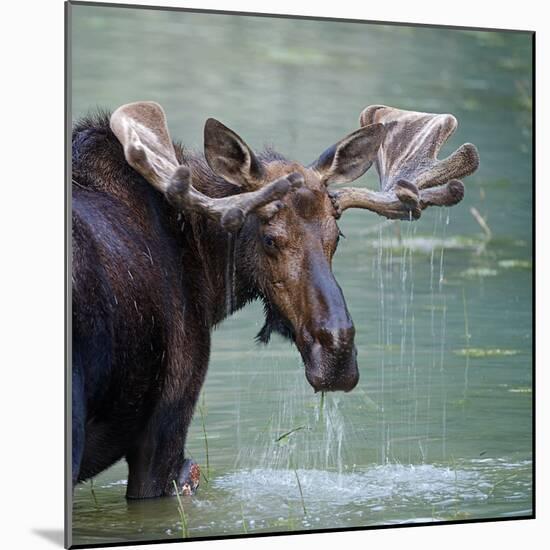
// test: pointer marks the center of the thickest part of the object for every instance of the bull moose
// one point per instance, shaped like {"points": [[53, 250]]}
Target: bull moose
{"points": [[157, 228]]}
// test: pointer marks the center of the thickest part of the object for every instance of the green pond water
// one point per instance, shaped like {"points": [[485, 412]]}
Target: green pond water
{"points": [[439, 427]]}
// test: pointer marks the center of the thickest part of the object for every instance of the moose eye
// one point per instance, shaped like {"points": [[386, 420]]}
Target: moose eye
{"points": [[339, 236], [269, 242]]}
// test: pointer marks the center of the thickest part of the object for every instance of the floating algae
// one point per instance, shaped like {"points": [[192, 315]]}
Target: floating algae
{"points": [[479, 272], [485, 352], [427, 244], [518, 264]]}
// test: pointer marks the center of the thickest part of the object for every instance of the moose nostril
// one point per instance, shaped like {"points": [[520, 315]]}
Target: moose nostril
{"points": [[315, 381], [351, 381], [335, 339], [345, 337], [332, 368]]}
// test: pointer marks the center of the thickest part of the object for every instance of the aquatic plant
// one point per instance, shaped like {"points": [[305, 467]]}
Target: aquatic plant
{"points": [[245, 530], [201, 410], [181, 511], [92, 491], [290, 432], [301, 492]]}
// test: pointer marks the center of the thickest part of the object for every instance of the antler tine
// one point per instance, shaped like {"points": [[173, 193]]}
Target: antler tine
{"points": [[403, 203], [407, 160], [230, 212], [463, 162], [142, 130]]}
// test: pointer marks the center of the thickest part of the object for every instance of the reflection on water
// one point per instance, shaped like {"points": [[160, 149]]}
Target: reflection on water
{"points": [[440, 425]]}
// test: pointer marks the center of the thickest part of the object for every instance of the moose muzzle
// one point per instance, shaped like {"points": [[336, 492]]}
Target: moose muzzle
{"points": [[331, 360], [326, 342]]}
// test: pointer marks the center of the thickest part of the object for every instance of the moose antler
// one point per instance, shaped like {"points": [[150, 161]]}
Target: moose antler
{"points": [[142, 130], [230, 212], [411, 176]]}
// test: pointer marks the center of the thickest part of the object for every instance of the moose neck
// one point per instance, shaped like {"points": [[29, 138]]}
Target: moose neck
{"points": [[222, 284], [221, 287]]}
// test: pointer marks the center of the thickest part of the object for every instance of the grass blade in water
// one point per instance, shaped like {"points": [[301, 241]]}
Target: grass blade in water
{"points": [[301, 493], [184, 528], [290, 432], [245, 530], [205, 444]]}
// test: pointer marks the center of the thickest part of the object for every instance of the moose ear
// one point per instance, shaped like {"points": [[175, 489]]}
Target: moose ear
{"points": [[230, 157], [352, 156]]}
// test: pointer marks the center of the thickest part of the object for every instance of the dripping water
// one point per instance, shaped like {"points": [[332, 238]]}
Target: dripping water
{"points": [[414, 409], [298, 436], [432, 366], [442, 341], [230, 272], [388, 340], [381, 342]]}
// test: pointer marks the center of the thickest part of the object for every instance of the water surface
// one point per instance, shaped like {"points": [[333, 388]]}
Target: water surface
{"points": [[439, 426]]}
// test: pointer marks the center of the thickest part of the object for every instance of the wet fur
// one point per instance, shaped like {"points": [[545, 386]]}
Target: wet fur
{"points": [[149, 285]]}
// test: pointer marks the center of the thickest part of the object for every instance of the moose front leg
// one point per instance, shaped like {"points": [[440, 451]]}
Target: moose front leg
{"points": [[157, 460]]}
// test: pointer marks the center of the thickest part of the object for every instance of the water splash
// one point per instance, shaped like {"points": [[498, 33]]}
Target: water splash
{"points": [[380, 494], [383, 484]]}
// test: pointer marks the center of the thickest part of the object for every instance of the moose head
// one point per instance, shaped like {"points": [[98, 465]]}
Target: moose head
{"points": [[284, 215]]}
